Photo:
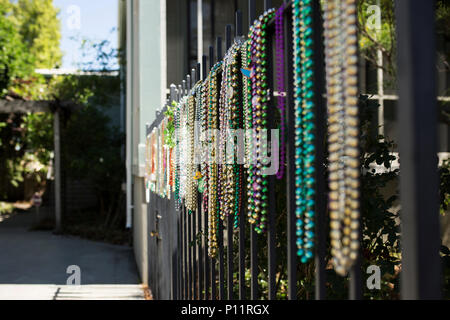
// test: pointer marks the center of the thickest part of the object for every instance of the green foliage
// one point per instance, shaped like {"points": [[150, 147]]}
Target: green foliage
{"points": [[38, 135], [39, 28], [6, 208], [169, 133], [15, 60], [444, 190], [71, 88], [381, 245], [372, 40]]}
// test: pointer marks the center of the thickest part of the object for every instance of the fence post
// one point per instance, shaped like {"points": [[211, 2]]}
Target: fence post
{"points": [[290, 173], [421, 276], [321, 190]]}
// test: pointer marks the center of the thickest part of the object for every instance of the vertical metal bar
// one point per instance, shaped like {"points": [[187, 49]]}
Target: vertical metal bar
{"points": [[204, 68], [194, 254], [180, 258], [213, 279], [57, 163], [230, 257], [253, 235], [189, 251], [253, 263], [193, 77], [188, 84], [239, 32], [207, 259], [421, 276], [188, 36], [242, 252], [238, 28], [200, 247], [213, 20], [251, 12], [199, 72], [183, 231], [221, 263], [219, 49], [321, 190], [220, 238], [267, 4], [291, 218], [227, 37], [230, 217], [174, 225], [271, 229], [211, 57]]}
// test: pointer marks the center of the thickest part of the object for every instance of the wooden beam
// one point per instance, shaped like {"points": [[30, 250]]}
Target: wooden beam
{"points": [[23, 106]]}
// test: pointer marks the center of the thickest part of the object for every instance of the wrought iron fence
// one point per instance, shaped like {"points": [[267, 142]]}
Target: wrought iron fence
{"points": [[179, 265]]}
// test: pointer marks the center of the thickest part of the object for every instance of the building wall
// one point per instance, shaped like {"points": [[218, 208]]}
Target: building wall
{"points": [[146, 85]]}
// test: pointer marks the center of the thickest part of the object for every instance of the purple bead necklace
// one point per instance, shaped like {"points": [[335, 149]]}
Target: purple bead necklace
{"points": [[280, 85]]}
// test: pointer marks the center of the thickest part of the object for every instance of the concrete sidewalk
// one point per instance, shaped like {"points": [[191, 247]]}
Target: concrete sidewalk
{"points": [[87, 292], [41, 258]]}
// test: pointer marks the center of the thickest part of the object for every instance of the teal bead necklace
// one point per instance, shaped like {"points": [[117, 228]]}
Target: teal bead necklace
{"points": [[304, 128]]}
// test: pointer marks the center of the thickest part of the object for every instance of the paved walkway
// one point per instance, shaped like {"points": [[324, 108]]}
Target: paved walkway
{"points": [[41, 259]]}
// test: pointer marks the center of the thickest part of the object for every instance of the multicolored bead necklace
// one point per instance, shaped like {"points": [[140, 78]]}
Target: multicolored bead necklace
{"points": [[304, 128], [257, 181], [341, 68]]}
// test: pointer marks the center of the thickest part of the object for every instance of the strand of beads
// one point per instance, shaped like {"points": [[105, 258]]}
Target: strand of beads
{"points": [[304, 128], [225, 173], [246, 98], [280, 78], [183, 147], [213, 199], [205, 150], [257, 181], [177, 157], [191, 192], [341, 69]]}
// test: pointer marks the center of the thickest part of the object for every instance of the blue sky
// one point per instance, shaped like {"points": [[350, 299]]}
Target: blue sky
{"points": [[93, 20]]}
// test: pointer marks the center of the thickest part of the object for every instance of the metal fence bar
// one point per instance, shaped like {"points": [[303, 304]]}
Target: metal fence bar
{"points": [[221, 227], [189, 250], [290, 194], [230, 217], [421, 276], [253, 235], [174, 227], [272, 208], [321, 182], [185, 267], [241, 254], [206, 262]]}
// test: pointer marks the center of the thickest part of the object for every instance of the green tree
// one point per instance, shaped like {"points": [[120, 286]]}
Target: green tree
{"points": [[39, 27], [15, 60]]}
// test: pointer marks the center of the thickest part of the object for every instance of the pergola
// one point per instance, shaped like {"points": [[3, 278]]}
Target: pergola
{"points": [[10, 105]]}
